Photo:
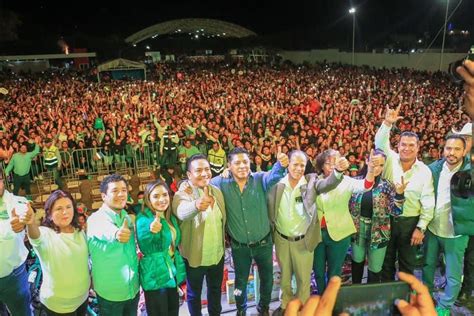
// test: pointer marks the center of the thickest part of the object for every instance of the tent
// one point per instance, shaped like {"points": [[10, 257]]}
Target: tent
{"points": [[123, 68]]}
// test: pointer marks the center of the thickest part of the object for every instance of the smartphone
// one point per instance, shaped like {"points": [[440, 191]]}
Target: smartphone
{"points": [[375, 299]]}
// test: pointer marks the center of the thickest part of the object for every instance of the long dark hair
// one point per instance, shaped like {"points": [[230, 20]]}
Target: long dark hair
{"points": [[48, 208], [146, 198]]}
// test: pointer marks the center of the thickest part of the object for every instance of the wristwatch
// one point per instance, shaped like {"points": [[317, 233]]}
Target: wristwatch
{"points": [[421, 229]]}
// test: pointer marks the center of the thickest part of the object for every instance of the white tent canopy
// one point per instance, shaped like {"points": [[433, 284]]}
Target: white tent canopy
{"points": [[120, 64]]}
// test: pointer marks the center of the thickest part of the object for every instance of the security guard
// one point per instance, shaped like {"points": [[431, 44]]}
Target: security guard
{"points": [[52, 160], [217, 159]]}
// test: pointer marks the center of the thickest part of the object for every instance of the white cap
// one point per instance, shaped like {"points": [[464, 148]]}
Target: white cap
{"points": [[465, 131]]}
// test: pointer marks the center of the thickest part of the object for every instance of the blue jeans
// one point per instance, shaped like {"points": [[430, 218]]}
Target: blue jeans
{"points": [[453, 249], [123, 308], [263, 257], [15, 292], [194, 280]]}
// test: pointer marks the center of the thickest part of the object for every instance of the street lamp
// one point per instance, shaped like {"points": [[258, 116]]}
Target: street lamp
{"points": [[353, 11], [444, 35]]}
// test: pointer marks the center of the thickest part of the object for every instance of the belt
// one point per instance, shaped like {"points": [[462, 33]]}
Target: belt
{"points": [[291, 238], [261, 242], [397, 219], [365, 220]]}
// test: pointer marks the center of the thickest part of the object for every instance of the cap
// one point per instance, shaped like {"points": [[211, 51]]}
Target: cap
{"points": [[465, 131]]}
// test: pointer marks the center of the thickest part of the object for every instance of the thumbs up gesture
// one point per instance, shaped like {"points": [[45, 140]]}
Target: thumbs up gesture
{"points": [[341, 164], [203, 203], [15, 223], [282, 158], [29, 216], [124, 233], [155, 226]]}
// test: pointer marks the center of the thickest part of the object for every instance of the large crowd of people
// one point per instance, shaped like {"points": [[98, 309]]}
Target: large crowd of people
{"points": [[299, 157]]}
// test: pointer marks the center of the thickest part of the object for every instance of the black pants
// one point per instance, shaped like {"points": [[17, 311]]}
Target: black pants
{"points": [[21, 182], [80, 311], [194, 280], [164, 302], [468, 283], [399, 247]]}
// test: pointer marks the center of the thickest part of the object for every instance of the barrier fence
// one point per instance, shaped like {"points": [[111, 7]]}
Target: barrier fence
{"points": [[88, 162]]}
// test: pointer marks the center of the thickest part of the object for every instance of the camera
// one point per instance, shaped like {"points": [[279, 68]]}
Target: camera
{"points": [[461, 184], [455, 77]]}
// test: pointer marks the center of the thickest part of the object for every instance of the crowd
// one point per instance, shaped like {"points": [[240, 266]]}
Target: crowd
{"points": [[257, 107], [273, 128]]}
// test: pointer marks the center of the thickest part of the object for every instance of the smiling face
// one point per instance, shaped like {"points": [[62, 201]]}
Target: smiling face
{"points": [[240, 166], [297, 166], [408, 148], [199, 173], [62, 213], [116, 195], [159, 199]]}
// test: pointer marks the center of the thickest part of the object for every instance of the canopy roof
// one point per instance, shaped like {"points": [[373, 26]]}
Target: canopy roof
{"points": [[205, 27], [120, 64]]}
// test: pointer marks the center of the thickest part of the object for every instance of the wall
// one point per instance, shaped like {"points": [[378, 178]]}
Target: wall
{"points": [[427, 61]]}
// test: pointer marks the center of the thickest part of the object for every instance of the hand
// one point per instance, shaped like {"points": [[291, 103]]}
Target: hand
{"points": [[374, 160], [15, 223], [155, 226], [124, 233], [417, 237], [316, 305], [421, 303], [29, 217], [186, 188], [391, 116], [400, 187], [341, 164], [225, 173], [205, 201], [467, 72], [282, 158]]}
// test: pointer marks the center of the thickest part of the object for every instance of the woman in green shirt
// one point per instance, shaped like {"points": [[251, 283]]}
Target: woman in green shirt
{"points": [[162, 267]]}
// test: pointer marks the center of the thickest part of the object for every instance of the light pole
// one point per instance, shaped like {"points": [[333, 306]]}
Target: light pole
{"points": [[444, 36], [353, 11]]}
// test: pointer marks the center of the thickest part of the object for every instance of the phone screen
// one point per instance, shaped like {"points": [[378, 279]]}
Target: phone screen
{"points": [[371, 299]]}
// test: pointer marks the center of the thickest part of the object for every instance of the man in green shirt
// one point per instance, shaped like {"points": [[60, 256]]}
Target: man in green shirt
{"points": [[110, 237], [185, 152], [21, 165], [248, 224]]}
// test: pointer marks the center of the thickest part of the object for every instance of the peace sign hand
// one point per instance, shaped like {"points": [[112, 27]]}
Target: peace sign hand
{"points": [[400, 187]]}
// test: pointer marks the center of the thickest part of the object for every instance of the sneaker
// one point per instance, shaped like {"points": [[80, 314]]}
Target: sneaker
{"points": [[442, 311]]}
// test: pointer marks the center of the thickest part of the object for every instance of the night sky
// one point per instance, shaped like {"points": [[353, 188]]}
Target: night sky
{"points": [[316, 23]]}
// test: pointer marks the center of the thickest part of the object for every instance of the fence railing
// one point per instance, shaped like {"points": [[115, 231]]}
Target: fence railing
{"points": [[82, 163]]}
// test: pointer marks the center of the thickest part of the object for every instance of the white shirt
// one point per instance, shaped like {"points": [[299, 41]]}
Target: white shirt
{"points": [[419, 193], [442, 223], [292, 220], [13, 252], [64, 262]]}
